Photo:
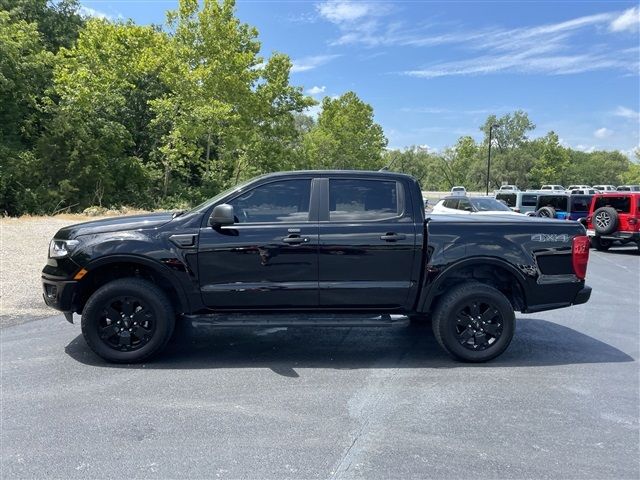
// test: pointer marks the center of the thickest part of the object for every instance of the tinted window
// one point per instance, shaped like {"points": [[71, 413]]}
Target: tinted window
{"points": [[357, 200], [508, 198], [465, 205], [580, 204], [621, 204], [284, 201], [529, 200], [559, 202], [451, 203], [489, 205]]}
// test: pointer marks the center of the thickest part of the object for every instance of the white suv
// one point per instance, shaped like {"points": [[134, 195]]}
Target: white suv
{"points": [[554, 188]]}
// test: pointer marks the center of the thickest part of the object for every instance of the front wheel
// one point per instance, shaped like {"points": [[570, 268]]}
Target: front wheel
{"points": [[474, 322], [127, 320]]}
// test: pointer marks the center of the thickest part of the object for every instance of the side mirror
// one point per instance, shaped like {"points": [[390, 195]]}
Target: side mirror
{"points": [[222, 215]]}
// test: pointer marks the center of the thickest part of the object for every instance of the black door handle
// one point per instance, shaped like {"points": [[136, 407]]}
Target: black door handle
{"points": [[295, 239], [392, 237]]}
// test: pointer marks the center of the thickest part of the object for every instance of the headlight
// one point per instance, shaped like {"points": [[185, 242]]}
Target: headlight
{"points": [[61, 248]]}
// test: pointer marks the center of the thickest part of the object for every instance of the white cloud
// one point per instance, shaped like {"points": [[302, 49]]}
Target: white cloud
{"points": [[345, 11], [602, 133], [585, 148], [550, 49], [626, 113], [627, 21], [313, 111], [357, 21], [92, 12], [309, 63], [316, 90]]}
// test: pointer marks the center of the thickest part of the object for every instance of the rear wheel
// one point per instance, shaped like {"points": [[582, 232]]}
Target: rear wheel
{"points": [[474, 322], [127, 320]]}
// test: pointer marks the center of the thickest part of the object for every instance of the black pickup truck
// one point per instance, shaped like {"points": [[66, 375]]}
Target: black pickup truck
{"points": [[313, 241]]}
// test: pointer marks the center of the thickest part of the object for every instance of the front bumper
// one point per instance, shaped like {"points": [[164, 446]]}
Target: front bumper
{"points": [[59, 294]]}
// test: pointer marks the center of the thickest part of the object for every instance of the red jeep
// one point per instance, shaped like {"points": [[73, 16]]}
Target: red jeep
{"points": [[614, 217]]}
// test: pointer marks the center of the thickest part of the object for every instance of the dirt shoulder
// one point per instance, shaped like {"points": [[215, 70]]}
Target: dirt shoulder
{"points": [[24, 243]]}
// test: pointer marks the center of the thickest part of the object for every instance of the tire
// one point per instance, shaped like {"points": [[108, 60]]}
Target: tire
{"points": [[546, 212], [456, 336], [116, 338], [605, 220], [600, 244]]}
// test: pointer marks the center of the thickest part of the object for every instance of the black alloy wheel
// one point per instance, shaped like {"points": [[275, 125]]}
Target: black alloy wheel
{"points": [[128, 320], [474, 322], [478, 325], [126, 323]]}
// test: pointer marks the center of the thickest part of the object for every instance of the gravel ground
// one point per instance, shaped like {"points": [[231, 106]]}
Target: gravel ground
{"points": [[24, 243]]}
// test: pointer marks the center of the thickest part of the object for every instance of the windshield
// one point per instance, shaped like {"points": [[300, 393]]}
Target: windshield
{"points": [[486, 204]]}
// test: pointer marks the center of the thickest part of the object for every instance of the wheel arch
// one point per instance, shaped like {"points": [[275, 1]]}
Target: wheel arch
{"points": [[111, 267], [488, 270]]}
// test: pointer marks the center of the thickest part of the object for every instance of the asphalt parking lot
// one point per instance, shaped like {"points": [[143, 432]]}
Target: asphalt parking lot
{"points": [[562, 402]]}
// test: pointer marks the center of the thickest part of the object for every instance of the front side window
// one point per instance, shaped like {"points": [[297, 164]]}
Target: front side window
{"points": [[362, 200], [622, 204], [465, 205], [283, 201]]}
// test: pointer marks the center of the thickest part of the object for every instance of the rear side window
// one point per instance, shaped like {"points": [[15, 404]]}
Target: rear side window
{"points": [[362, 200], [284, 201], [580, 204], [529, 200], [622, 204], [508, 198], [557, 202], [451, 203]]}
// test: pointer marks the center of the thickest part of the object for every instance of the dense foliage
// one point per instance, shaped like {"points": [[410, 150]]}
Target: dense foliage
{"points": [[94, 112]]}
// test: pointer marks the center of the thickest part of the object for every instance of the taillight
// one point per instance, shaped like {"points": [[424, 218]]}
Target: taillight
{"points": [[580, 255]]}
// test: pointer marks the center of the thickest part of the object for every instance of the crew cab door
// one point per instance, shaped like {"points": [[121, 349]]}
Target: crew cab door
{"points": [[269, 257], [367, 244]]}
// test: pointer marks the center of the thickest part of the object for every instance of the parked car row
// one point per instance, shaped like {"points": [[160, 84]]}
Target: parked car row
{"points": [[610, 217], [575, 189]]}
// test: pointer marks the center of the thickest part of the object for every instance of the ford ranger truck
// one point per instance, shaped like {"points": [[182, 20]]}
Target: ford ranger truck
{"points": [[307, 243]]}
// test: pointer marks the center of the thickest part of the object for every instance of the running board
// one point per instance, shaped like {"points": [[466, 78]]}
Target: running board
{"points": [[296, 320]]}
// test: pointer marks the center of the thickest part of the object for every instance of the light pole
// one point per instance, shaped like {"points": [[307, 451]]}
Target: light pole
{"points": [[489, 159]]}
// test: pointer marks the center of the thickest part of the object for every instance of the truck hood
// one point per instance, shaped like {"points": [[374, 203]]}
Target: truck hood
{"points": [[116, 224]]}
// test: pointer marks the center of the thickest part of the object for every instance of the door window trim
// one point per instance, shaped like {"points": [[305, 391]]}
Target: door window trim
{"points": [[312, 216], [324, 213]]}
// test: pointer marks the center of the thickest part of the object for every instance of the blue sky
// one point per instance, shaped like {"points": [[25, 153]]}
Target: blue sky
{"points": [[434, 70]]}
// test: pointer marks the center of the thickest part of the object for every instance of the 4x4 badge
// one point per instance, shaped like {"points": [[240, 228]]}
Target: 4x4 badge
{"points": [[550, 237]]}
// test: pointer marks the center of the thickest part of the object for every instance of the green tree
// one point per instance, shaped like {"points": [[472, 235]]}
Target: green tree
{"points": [[25, 73], [552, 164], [345, 136]]}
